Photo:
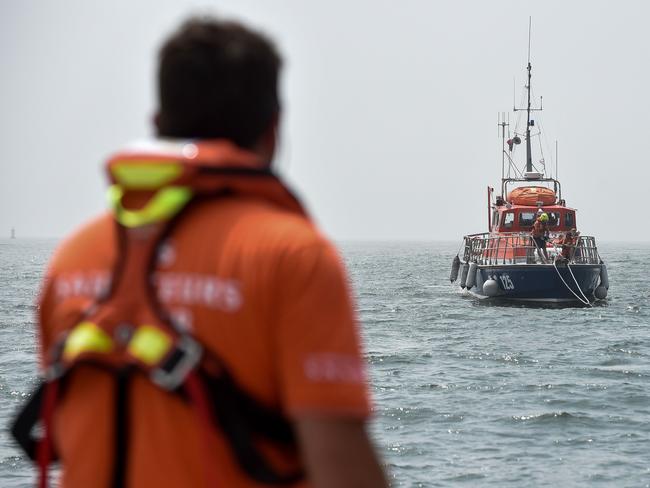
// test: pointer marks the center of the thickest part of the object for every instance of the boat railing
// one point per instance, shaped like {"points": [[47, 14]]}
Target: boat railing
{"points": [[585, 251], [520, 248]]}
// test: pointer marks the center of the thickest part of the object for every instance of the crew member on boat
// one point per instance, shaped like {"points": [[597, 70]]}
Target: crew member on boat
{"points": [[568, 243], [540, 235]]}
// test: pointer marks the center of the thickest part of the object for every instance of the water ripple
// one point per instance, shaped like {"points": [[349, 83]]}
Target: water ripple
{"points": [[475, 394], [466, 393]]}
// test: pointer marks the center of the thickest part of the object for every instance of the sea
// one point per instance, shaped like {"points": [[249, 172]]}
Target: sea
{"points": [[465, 393]]}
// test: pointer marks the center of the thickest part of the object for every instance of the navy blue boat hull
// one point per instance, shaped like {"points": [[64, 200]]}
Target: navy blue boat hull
{"points": [[539, 282]]}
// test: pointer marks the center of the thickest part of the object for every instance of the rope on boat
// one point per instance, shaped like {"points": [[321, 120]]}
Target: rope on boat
{"points": [[569, 288], [586, 300], [577, 285]]}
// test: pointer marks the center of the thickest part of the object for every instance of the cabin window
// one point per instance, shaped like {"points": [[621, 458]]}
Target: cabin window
{"points": [[508, 219], [495, 219], [527, 219], [553, 219], [569, 219]]}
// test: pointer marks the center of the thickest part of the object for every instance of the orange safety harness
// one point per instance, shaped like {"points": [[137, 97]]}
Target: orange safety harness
{"points": [[128, 331]]}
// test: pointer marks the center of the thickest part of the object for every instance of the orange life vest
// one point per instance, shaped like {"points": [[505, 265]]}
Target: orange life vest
{"points": [[128, 331], [539, 228]]}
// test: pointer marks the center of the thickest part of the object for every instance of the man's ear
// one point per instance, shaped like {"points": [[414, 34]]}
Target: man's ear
{"points": [[268, 141], [272, 131], [156, 122]]}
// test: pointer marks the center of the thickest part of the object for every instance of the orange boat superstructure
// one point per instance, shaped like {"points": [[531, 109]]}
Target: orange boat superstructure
{"points": [[511, 221]]}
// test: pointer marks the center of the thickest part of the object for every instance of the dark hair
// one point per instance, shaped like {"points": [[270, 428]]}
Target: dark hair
{"points": [[217, 79]]}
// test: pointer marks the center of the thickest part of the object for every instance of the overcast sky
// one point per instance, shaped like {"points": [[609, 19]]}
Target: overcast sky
{"points": [[390, 108]]}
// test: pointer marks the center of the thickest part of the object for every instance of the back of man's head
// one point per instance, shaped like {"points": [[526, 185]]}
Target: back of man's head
{"points": [[217, 80]]}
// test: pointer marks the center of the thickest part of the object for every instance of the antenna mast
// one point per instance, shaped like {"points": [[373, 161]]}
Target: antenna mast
{"points": [[529, 159], [503, 122], [556, 174], [529, 123]]}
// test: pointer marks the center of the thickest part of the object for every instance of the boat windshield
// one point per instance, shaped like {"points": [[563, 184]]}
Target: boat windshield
{"points": [[508, 220], [527, 219], [569, 220], [522, 219], [553, 219]]}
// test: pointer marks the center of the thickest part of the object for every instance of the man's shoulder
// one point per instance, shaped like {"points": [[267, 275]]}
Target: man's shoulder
{"points": [[244, 226], [91, 245], [254, 223]]}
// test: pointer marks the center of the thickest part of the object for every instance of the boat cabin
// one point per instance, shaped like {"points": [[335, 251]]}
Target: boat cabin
{"points": [[518, 212], [520, 218]]}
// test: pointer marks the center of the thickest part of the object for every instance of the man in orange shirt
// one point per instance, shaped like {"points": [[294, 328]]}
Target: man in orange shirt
{"points": [[568, 244], [539, 235], [209, 278]]}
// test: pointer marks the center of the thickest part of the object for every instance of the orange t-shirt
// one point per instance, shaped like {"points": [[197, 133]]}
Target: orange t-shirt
{"points": [[259, 287], [539, 228]]}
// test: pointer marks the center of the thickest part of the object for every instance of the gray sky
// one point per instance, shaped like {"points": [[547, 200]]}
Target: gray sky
{"points": [[390, 108]]}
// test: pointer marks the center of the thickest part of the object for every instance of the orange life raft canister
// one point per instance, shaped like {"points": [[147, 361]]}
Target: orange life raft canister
{"points": [[532, 195]]}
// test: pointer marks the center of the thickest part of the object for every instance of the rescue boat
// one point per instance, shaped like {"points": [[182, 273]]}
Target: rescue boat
{"points": [[506, 263]]}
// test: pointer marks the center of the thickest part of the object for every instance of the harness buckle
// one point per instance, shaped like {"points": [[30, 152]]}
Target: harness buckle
{"points": [[171, 373], [55, 368], [54, 372]]}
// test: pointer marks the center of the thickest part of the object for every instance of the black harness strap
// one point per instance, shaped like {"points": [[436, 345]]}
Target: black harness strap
{"points": [[23, 425], [121, 415], [242, 420]]}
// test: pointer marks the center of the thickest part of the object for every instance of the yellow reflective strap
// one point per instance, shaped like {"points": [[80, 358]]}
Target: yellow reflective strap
{"points": [[86, 337], [145, 174], [114, 196], [163, 205], [149, 344]]}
